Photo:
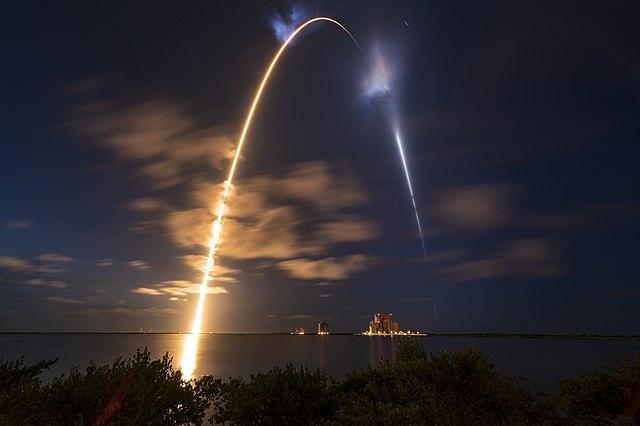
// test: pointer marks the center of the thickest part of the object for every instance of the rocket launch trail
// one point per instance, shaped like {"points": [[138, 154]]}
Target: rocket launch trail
{"points": [[381, 84], [413, 198], [191, 341]]}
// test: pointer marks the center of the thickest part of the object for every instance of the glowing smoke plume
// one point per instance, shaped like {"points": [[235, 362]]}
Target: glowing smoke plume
{"points": [[191, 341], [283, 24], [383, 72]]}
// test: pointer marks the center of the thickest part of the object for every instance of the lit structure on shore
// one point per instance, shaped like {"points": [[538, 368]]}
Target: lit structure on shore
{"points": [[299, 331], [384, 325], [323, 328]]}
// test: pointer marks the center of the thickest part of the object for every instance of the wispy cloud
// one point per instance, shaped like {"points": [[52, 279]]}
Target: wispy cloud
{"points": [[160, 137], [138, 264], [525, 258], [48, 263], [105, 262], [64, 300], [475, 208], [46, 283], [291, 317], [177, 288], [148, 204], [264, 220], [329, 268], [294, 214], [54, 257], [120, 310], [16, 224], [14, 263], [220, 272]]}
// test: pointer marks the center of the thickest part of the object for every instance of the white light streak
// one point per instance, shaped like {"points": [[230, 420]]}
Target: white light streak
{"points": [[413, 198]]}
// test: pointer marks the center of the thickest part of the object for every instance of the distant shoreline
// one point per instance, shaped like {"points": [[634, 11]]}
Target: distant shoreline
{"points": [[478, 335]]}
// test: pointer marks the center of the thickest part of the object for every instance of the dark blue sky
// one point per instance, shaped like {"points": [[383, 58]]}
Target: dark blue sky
{"points": [[521, 125]]}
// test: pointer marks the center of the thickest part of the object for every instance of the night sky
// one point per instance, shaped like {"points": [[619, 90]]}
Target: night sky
{"points": [[521, 124]]}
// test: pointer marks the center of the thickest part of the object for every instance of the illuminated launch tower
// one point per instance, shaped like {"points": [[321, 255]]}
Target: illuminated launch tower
{"points": [[383, 324]]}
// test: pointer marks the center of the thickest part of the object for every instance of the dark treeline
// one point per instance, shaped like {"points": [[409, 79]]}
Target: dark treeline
{"points": [[415, 388]]}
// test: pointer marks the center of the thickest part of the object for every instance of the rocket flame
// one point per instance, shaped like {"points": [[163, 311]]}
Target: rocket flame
{"points": [[191, 340]]}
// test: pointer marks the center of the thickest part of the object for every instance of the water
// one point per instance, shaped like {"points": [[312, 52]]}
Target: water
{"points": [[544, 361]]}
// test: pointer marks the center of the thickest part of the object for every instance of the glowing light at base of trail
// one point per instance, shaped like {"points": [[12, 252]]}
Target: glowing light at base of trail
{"points": [[413, 199], [190, 349]]}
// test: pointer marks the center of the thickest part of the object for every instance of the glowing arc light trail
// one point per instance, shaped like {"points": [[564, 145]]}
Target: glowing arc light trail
{"points": [[413, 199], [191, 341]]}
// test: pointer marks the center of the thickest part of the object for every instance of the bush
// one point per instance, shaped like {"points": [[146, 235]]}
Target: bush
{"points": [[21, 391], [415, 388], [452, 388], [281, 396], [606, 396], [136, 390]]}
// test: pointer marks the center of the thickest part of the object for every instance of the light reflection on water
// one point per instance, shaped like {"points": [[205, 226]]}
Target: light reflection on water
{"points": [[543, 360]]}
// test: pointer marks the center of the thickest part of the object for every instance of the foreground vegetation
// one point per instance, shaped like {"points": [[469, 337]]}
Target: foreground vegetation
{"points": [[416, 388]]}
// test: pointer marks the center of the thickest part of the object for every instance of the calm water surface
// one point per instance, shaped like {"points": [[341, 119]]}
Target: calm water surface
{"points": [[544, 361]]}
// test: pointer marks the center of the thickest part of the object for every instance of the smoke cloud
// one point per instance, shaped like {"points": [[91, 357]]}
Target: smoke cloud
{"points": [[284, 23]]}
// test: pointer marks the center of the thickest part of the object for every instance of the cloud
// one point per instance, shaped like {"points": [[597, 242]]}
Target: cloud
{"points": [[603, 214], [260, 222], [325, 284], [138, 264], [220, 272], [64, 300], [16, 224], [46, 283], [55, 258], [14, 263], [524, 258], [177, 288], [119, 311], [105, 262], [43, 264], [329, 268], [347, 230], [147, 204], [160, 138], [475, 208], [291, 317], [315, 183], [147, 291], [190, 227], [300, 212], [272, 234]]}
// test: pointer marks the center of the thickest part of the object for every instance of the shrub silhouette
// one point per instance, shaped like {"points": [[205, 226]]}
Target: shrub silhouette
{"points": [[136, 390], [415, 388], [605, 396]]}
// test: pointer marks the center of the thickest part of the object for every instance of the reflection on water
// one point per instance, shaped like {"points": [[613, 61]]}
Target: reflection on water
{"points": [[543, 360], [381, 348], [189, 353]]}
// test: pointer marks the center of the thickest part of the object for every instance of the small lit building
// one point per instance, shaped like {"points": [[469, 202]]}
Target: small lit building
{"points": [[298, 330], [323, 328]]}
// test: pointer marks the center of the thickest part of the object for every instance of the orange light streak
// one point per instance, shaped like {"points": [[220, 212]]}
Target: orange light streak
{"points": [[191, 340]]}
